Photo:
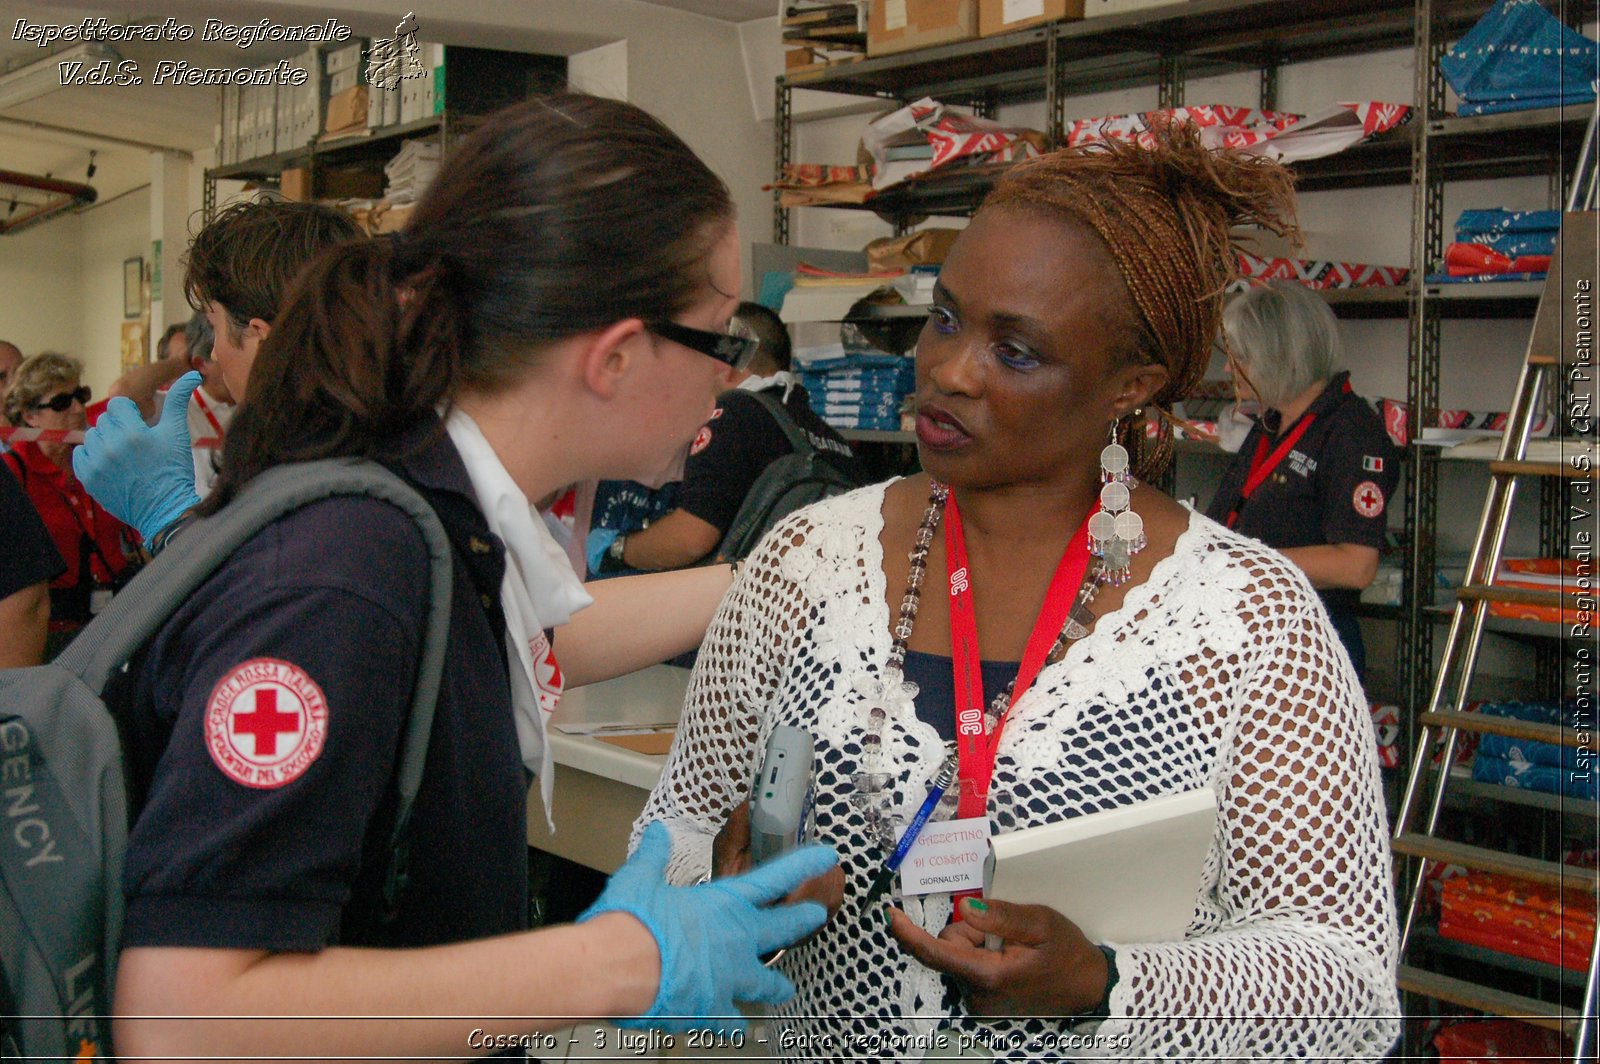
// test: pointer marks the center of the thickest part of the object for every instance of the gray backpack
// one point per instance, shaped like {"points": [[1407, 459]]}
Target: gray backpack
{"points": [[64, 814], [805, 475]]}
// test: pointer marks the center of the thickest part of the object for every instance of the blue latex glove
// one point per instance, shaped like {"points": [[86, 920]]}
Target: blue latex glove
{"points": [[595, 547], [712, 936], [143, 475]]}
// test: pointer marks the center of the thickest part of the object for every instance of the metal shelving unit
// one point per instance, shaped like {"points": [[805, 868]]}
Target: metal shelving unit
{"points": [[371, 148], [1162, 47], [1167, 45], [1444, 148]]}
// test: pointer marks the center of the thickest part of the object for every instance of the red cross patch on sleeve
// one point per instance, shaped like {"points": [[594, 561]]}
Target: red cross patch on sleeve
{"points": [[1368, 499], [701, 440], [266, 723]]}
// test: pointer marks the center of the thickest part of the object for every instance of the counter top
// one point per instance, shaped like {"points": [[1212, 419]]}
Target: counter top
{"points": [[601, 788], [648, 696]]}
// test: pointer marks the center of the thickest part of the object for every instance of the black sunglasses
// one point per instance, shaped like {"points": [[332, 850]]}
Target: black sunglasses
{"points": [[63, 402], [735, 351]]}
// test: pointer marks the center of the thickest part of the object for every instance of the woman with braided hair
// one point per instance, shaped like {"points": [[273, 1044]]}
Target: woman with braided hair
{"points": [[1130, 649]]}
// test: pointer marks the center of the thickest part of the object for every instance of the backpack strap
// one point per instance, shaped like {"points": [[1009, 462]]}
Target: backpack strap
{"points": [[133, 617], [798, 440]]}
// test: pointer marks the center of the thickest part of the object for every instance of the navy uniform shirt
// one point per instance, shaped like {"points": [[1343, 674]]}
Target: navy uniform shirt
{"points": [[1335, 485], [267, 717], [735, 447]]}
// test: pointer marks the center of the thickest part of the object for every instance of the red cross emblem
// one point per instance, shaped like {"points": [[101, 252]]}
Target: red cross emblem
{"points": [[702, 439], [1368, 499], [547, 679], [266, 722]]}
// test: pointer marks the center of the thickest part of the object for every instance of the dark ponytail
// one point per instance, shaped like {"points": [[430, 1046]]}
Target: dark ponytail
{"points": [[345, 367], [559, 215]]}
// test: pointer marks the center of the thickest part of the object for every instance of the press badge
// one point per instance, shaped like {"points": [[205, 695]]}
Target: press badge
{"points": [[948, 856]]}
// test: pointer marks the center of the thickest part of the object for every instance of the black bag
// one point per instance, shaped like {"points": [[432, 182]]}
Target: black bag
{"points": [[806, 475], [63, 795]]}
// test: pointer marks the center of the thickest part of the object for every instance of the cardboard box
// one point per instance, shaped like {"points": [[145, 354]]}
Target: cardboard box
{"points": [[295, 184], [1004, 16], [349, 183], [347, 111], [904, 25]]}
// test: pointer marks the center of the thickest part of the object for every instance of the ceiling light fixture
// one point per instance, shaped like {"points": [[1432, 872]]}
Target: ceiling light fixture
{"points": [[44, 76]]}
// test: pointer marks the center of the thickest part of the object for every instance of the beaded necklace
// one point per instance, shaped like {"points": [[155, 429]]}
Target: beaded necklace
{"points": [[873, 794]]}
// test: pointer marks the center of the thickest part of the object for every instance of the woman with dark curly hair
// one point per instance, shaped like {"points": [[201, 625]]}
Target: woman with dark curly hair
{"points": [[1130, 649]]}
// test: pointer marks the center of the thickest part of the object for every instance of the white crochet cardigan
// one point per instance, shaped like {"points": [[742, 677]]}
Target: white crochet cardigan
{"points": [[1221, 670]]}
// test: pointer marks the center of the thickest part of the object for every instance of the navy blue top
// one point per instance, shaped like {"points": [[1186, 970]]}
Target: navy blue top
{"points": [[30, 556], [338, 590], [1334, 486], [934, 675]]}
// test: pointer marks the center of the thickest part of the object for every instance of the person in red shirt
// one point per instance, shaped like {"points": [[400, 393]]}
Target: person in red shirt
{"points": [[47, 393]]}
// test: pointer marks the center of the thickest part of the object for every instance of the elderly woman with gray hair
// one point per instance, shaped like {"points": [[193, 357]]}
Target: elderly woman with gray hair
{"points": [[1314, 477]]}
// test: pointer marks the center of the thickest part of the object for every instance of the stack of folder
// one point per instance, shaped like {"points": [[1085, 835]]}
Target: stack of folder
{"points": [[818, 33]]}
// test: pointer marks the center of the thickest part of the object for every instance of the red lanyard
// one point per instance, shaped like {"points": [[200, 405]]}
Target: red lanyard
{"points": [[205, 408], [976, 749], [1262, 465]]}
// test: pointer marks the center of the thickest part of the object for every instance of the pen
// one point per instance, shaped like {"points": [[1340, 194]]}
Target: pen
{"points": [[941, 782]]}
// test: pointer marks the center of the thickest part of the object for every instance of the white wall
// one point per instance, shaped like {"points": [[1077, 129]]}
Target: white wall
{"points": [[61, 284], [108, 234], [41, 287]]}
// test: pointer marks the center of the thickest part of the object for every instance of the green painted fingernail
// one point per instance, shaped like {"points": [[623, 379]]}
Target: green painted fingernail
{"points": [[977, 905], [888, 916]]}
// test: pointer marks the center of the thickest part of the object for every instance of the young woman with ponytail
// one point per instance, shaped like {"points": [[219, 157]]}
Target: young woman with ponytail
{"points": [[1087, 644], [546, 317]]}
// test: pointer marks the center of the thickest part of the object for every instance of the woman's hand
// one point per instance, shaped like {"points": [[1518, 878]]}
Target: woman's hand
{"points": [[730, 856], [1046, 968]]}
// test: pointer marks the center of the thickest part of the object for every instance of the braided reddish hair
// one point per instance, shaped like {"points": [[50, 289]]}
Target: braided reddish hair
{"points": [[1164, 213]]}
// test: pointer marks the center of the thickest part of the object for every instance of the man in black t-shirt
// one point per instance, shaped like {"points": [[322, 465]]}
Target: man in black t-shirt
{"points": [[27, 565], [729, 454]]}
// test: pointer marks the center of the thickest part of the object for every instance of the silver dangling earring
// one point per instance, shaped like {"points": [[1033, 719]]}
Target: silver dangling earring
{"points": [[1116, 533]]}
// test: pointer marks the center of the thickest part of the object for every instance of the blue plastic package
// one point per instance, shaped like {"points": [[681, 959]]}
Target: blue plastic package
{"points": [[1520, 56]]}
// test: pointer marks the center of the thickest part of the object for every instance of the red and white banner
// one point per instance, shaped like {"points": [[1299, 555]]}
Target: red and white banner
{"points": [[1275, 134], [1321, 273], [18, 434]]}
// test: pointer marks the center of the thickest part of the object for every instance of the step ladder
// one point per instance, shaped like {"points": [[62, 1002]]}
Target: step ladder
{"points": [[1550, 354]]}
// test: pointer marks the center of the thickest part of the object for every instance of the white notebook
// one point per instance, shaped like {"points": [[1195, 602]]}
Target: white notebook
{"points": [[1125, 875]]}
